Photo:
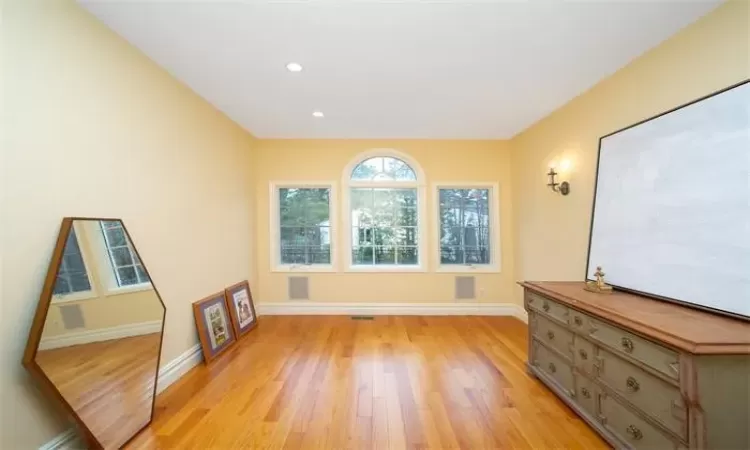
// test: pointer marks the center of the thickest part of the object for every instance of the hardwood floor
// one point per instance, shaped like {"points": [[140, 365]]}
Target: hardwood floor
{"points": [[320, 382], [110, 384]]}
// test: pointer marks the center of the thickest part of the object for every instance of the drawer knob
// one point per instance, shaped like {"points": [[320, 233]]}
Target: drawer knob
{"points": [[627, 345], [585, 392], [545, 307], [632, 384], [634, 433], [552, 368], [578, 321], [583, 354], [551, 334]]}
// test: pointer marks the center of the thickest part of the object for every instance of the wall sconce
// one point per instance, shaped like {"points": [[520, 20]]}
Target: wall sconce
{"points": [[564, 187]]}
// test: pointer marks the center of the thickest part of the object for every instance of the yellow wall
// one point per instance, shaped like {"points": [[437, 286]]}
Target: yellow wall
{"points": [[325, 160], [552, 231], [104, 307], [94, 128]]}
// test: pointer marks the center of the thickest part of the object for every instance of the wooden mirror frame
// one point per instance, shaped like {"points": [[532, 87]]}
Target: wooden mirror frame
{"points": [[37, 326]]}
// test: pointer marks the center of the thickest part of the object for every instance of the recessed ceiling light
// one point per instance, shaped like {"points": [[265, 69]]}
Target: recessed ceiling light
{"points": [[294, 67], [317, 114]]}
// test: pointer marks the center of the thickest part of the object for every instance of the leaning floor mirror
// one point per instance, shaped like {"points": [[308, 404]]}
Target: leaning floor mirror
{"points": [[96, 338]]}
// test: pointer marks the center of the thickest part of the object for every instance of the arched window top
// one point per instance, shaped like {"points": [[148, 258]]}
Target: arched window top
{"points": [[383, 169]]}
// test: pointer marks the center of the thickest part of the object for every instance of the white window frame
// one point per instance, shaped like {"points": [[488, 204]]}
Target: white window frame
{"points": [[494, 235], [117, 287], [80, 295], [104, 261], [418, 184], [275, 231]]}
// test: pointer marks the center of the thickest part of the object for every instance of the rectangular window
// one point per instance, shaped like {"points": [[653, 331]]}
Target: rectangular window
{"points": [[384, 226], [125, 263], [466, 226], [71, 275], [304, 225]]}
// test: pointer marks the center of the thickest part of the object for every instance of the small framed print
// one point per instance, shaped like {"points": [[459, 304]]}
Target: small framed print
{"points": [[214, 325], [241, 308]]}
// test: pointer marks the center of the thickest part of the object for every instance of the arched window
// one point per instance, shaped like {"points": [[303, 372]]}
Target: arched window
{"points": [[384, 210], [383, 168]]}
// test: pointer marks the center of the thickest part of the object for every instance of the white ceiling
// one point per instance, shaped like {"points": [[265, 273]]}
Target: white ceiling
{"points": [[394, 69]]}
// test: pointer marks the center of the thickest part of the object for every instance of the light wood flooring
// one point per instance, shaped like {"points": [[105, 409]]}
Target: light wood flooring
{"points": [[110, 384], [321, 382]]}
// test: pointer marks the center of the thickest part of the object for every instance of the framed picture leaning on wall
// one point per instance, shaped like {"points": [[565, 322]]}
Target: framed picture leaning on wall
{"points": [[241, 308], [214, 325]]}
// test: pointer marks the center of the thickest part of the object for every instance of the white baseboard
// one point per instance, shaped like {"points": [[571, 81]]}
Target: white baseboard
{"points": [[168, 374], [98, 335], [67, 440], [391, 309], [175, 369]]}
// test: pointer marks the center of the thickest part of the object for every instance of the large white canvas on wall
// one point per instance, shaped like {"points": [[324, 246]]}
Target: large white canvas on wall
{"points": [[672, 205]]}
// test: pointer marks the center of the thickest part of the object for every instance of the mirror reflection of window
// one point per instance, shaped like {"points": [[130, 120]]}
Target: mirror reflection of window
{"points": [[72, 276], [125, 263]]}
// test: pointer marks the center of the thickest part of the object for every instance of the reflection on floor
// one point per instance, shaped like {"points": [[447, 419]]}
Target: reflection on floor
{"points": [[110, 384], [393, 382]]}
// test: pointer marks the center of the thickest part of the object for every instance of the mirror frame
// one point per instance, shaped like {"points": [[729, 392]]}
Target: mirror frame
{"points": [[42, 309]]}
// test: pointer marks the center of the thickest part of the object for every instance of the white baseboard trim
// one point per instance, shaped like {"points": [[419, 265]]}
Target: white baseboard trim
{"points": [[67, 440], [98, 335], [168, 374], [175, 369], [391, 309]]}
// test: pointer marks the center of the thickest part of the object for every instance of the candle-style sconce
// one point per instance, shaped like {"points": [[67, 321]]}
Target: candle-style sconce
{"points": [[562, 187]]}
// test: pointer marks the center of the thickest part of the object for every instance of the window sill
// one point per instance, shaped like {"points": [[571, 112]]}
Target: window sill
{"points": [[130, 289], [386, 269], [302, 268], [75, 297], [467, 269]]}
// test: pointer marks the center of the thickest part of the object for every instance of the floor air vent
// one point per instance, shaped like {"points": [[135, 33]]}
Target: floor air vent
{"points": [[363, 318]]}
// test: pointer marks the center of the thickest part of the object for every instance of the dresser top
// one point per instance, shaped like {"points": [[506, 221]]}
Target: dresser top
{"points": [[687, 329]]}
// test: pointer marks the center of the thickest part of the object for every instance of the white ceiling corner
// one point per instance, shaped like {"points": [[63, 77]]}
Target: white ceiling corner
{"points": [[409, 69]]}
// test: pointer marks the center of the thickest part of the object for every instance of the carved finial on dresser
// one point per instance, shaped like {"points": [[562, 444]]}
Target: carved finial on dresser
{"points": [[598, 286]]}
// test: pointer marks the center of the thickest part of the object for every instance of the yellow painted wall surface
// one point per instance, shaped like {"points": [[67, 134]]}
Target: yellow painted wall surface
{"points": [[552, 231], [94, 128], [441, 161]]}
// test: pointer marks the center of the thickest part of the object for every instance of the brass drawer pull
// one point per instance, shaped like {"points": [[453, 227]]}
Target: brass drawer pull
{"points": [[585, 392], [634, 433], [632, 384], [551, 334], [545, 307], [583, 354], [627, 345], [552, 368], [578, 321]]}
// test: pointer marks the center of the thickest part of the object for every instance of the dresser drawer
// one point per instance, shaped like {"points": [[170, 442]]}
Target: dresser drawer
{"points": [[553, 335], [547, 307], [586, 394], [652, 395], [630, 428], [554, 367], [584, 354], [579, 321], [651, 354]]}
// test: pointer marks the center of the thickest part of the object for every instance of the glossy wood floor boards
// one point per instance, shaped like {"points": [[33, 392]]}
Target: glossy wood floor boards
{"points": [[321, 382], [110, 384]]}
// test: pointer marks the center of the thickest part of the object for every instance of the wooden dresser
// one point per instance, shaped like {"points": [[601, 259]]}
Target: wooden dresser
{"points": [[643, 373]]}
